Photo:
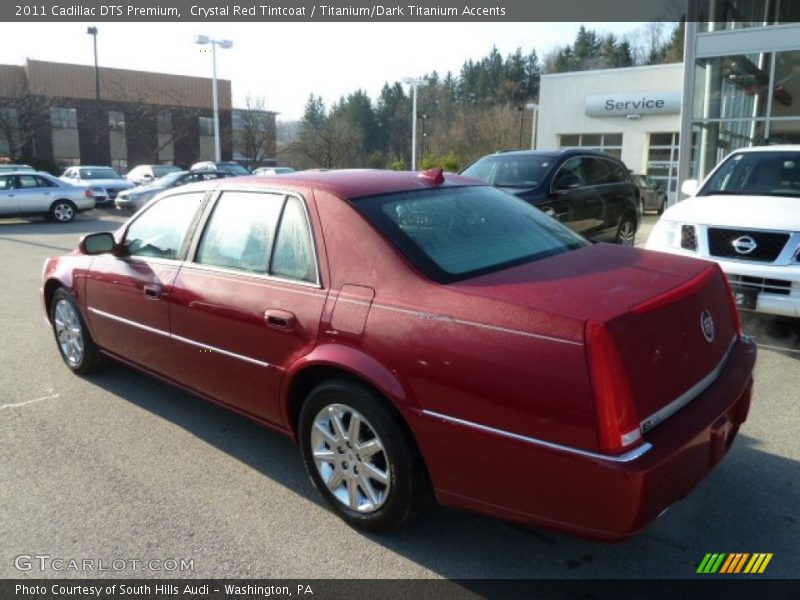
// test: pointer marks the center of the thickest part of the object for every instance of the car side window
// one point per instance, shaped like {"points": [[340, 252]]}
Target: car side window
{"points": [[596, 171], [293, 256], [28, 181], [6, 182], [159, 232], [42, 182], [240, 231], [569, 175]]}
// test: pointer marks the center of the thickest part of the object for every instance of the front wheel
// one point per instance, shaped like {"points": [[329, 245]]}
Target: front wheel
{"points": [[74, 341], [360, 458], [62, 211], [626, 232]]}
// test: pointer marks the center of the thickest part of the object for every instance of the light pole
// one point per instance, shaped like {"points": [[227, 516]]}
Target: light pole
{"points": [[423, 117], [92, 31], [520, 109], [534, 122], [202, 40], [413, 82]]}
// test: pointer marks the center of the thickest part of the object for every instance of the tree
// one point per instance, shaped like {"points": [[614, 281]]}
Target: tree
{"points": [[254, 131], [326, 140], [21, 115]]}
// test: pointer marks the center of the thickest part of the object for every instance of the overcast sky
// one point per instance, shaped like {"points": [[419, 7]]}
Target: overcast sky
{"points": [[284, 63]]}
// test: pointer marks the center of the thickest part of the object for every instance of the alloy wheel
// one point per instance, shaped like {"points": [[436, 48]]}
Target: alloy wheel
{"points": [[627, 233], [68, 332], [350, 458], [63, 212]]}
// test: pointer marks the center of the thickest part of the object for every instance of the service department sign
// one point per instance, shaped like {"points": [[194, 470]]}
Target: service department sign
{"points": [[644, 103]]}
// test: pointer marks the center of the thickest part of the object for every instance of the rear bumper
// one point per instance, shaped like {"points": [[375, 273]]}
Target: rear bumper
{"points": [[581, 493]]}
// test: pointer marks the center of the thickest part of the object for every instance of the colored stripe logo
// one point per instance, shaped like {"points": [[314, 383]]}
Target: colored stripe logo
{"points": [[734, 563]]}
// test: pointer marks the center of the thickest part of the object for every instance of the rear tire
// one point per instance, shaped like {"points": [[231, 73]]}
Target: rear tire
{"points": [[360, 458], [626, 232], [63, 211], [75, 343]]}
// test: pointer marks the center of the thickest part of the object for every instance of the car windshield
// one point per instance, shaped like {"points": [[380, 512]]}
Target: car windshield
{"points": [[99, 173], [511, 170], [161, 170], [757, 174], [455, 233], [234, 168], [168, 179]]}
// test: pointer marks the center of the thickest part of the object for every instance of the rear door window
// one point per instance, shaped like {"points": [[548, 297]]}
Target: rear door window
{"points": [[240, 232]]}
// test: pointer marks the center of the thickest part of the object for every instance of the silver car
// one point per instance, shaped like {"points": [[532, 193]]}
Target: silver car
{"points": [[26, 193], [100, 178]]}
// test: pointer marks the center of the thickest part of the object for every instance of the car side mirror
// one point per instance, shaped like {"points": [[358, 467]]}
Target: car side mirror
{"points": [[690, 187], [97, 243], [147, 177], [566, 184]]}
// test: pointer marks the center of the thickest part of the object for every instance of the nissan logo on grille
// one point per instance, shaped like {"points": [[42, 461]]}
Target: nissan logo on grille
{"points": [[744, 244]]}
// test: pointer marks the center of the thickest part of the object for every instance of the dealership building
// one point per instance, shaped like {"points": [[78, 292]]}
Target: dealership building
{"points": [[739, 85], [633, 114]]}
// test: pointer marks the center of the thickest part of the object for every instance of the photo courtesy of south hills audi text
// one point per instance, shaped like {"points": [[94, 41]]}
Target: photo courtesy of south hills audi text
{"points": [[160, 589]]}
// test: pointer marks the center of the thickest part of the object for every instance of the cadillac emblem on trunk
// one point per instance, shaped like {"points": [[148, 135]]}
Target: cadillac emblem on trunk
{"points": [[707, 325]]}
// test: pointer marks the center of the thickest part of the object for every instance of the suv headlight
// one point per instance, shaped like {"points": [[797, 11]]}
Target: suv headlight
{"points": [[665, 233]]}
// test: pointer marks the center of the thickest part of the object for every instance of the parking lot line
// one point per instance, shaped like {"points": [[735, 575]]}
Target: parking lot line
{"points": [[26, 402]]}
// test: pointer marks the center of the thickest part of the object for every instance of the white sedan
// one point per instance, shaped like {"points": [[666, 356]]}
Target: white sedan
{"points": [[746, 217], [26, 193]]}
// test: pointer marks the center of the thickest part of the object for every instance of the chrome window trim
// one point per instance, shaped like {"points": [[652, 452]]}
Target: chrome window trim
{"points": [[626, 457], [664, 413], [179, 338], [193, 266]]}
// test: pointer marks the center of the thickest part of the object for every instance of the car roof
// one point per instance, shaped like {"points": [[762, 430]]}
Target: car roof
{"points": [[344, 183], [774, 148], [552, 153], [25, 172]]}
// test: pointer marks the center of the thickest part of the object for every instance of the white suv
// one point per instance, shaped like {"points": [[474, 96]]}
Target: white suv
{"points": [[746, 217]]}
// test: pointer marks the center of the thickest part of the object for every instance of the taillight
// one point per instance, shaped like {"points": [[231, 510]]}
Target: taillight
{"points": [[617, 422], [88, 193]]}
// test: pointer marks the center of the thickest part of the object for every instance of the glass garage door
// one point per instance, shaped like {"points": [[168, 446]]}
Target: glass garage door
{"points": [[662, 162]]}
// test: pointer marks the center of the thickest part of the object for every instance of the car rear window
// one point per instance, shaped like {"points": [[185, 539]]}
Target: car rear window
{"points": [[455, 233]]}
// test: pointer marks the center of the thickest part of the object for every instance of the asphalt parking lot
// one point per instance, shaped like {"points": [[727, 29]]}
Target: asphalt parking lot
{"points": [[121, 466]]}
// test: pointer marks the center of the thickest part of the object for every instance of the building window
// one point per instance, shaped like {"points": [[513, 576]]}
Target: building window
{"points": [[732, 87], [741, 101], [63, 118], [611, 143], [786, 91], [724, 15], [164, 122], [206, 125], [116, 120]]}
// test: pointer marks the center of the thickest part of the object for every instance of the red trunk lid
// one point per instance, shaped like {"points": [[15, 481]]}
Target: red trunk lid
{"points": [[669, 316]]}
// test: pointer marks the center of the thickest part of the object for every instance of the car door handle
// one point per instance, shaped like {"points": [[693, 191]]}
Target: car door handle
{"points": [[153, 291], [282, 320]]}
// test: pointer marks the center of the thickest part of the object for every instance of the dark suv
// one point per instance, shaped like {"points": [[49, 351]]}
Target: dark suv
{"points": [[590, 192]]}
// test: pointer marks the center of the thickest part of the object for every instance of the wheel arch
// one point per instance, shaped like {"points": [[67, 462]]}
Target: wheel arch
{"points": [[327, 362]]}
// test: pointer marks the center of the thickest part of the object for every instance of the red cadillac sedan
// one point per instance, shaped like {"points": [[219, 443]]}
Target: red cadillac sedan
{"points": [[423, 337]]}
